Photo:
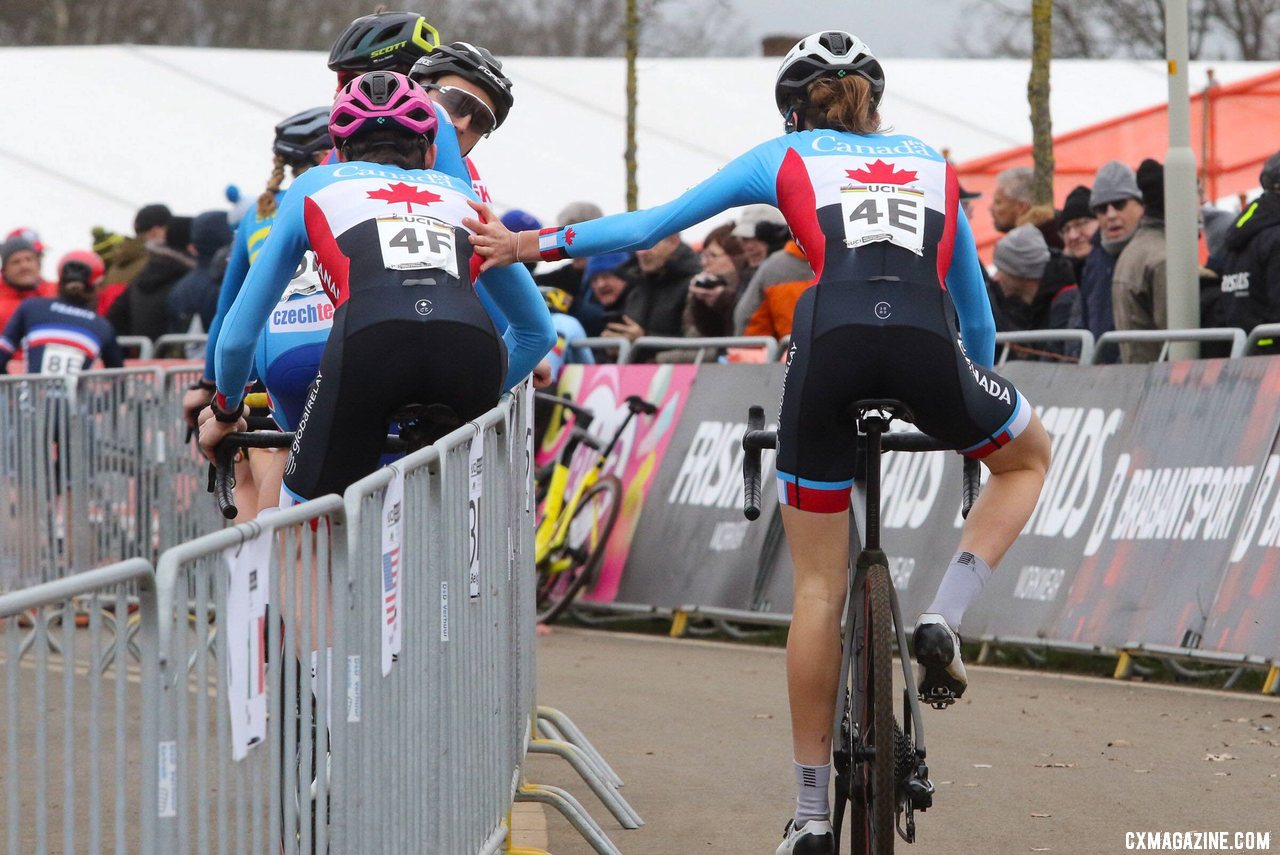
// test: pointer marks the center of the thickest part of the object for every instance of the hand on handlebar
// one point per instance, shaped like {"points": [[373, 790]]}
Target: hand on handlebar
{"points": [[213, 431], [193, 401]]}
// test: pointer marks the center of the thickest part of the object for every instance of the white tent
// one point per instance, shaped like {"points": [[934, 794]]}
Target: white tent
{"points": [[94, 133]]}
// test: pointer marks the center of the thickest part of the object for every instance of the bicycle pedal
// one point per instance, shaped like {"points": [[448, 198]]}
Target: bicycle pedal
{"points": [[939, 698]]}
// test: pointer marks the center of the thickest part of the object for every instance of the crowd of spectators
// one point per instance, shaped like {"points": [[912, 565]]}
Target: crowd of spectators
{"points": [[1095, 263]]}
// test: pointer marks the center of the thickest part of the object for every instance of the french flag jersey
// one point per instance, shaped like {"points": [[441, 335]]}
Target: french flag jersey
{"points": [[59, 338], [859, 206]]}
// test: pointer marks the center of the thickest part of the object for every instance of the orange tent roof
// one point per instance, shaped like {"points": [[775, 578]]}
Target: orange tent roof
{"points": [[1242, 131]]}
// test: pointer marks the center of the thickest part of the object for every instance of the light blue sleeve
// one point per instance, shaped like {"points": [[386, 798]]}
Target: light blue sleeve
{"points": [[968, 291], [529, 333], [237, 269], [748, 179], [449, 159], [268, 278]]}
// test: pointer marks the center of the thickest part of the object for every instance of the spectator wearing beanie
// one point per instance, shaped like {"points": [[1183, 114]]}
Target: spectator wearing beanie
{"points": [[605, 281], [1027, 295], [143, 307], [20, 276], [1116, 203], [196, 293], [1138, 286], [1250, 286], [1077, 225]]}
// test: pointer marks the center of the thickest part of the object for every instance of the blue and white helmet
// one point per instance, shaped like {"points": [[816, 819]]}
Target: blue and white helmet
{"points": [[832, 53]]}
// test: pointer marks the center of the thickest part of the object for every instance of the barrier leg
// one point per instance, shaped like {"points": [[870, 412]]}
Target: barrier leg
{"points": [[984, 654], [1271, 686], [609, 797], [574, 736], [1124, 666], [679, 624], [573, 812]]}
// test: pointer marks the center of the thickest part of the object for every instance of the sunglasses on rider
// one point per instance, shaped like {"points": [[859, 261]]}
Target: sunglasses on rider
{"points": [[460, 103]]}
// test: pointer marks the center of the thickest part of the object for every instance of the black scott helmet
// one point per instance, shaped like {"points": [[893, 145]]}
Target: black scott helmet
{"points": [[833, 53], [383, 40], [473, 64], [300, 137]]}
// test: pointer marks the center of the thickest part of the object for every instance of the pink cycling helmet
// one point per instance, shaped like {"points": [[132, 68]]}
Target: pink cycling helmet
{"points": [[377, 98]]}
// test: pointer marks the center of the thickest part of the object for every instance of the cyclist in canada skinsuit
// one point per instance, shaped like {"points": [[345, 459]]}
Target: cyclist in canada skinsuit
{"points": [[394, 259], [895, 272]]}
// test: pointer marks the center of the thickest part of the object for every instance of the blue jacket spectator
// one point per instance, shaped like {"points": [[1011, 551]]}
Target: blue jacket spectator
{"points": [[196, 293]]}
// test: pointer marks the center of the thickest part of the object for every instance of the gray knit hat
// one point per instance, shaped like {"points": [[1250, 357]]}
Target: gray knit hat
{"points": [[1114, 182], [13, 246], [578, 212], [1022, 252]]}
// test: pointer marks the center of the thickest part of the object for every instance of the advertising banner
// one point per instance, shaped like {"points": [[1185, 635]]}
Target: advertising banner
{"points": [[693, 545], [1245, 616], [1174, 501], [637, 457]]}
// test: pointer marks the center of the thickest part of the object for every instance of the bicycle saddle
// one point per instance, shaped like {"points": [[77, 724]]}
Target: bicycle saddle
{"points": [[894, 409]]}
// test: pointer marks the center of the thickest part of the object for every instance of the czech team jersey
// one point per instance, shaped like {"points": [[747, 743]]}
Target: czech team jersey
{"points": [[372, 227], [59, 338], [854, 203]]}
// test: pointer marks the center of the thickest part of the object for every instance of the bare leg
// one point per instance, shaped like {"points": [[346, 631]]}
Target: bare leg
{"points": [[1009, 496], [820, 551]]}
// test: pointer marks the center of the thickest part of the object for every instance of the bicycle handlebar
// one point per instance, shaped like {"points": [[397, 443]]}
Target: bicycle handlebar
{"points": [[584, 415], [756, 438], [222, 472]]}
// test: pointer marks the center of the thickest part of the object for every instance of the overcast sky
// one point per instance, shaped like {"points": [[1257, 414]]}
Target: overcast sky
{"points": [[889, 27]]}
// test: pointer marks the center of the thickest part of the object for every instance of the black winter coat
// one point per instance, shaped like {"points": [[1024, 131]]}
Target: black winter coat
{"points": [[143, 307], [656, 300], [1251, 271]]}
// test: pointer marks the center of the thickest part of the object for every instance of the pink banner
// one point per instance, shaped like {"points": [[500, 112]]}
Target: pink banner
{"points": [[603, 389]]}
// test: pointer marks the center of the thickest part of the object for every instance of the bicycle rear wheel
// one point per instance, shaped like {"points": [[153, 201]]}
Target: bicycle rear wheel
{"points": [[590, 525], [875, 784]]}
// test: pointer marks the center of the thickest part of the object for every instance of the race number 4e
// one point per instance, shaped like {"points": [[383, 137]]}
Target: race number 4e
{"points": [[416, 243], [883, 212]]}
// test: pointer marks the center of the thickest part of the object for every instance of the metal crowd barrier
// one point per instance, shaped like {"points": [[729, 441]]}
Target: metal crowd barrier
{"points": [[93, 469], [75, 708], [1236, 337], [34, 467], [650, 344], [620, 348], [188, 345], [144, 346], [1083, 339]]}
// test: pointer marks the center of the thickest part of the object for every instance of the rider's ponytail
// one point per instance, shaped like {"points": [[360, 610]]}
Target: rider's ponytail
{"points": [[842, 104], [267, 201]]}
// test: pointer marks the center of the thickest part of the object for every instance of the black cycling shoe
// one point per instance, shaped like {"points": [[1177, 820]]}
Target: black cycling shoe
{"points": [[813, 838], [942, 675]]}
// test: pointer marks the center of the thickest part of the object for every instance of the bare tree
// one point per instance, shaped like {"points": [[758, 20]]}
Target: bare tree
{"points": [[1038, 96], [1221, 29]]}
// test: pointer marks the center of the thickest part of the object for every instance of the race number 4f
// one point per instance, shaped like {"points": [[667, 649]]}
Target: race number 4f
{"points": [[883, 212], [416, 243]]}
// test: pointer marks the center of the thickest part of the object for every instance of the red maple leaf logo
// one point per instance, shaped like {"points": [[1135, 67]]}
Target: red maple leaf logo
{"points": [[569, 235], [881, 173], [406, 194]]}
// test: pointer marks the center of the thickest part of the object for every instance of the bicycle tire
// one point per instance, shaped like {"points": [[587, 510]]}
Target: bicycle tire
{"points": [[877, 773], [557, 591]]}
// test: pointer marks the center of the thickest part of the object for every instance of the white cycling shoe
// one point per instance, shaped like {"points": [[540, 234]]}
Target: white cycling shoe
{"points": [[942, 675], [813, 838]]}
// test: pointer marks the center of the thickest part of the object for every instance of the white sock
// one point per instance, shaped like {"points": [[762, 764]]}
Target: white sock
{"points": [[811, 793], [964, 579]]}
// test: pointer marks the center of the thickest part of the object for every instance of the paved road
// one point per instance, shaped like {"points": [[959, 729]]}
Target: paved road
{"points": [[1030, 762]]}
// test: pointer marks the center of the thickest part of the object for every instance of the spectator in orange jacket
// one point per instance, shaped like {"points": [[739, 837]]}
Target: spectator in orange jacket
{"points": [[777, 307]]}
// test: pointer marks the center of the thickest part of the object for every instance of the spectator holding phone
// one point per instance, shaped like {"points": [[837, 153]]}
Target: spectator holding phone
{"points": [[714, 292]]}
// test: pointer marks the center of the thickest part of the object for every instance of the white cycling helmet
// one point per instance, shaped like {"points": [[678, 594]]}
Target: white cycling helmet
{"points": [[833, 53]]}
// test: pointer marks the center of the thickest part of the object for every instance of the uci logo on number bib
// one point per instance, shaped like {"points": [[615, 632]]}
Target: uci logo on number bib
{"points": [[880, 207], [415, 243]]}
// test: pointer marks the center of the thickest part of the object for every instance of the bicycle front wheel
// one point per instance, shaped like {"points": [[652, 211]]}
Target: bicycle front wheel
{"points": [[873, 832], [590, 525]]}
